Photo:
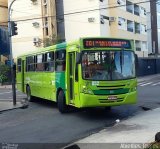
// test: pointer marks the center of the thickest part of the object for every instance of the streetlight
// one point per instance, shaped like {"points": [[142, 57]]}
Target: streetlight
{"points": [[11, 55]]}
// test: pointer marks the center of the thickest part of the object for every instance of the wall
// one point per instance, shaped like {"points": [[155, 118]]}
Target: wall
{"points": [[22, 10], [77, 25], [148, 66]]}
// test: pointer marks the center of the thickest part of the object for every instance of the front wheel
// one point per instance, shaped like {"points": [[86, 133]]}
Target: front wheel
{"points": [[61, 102]]}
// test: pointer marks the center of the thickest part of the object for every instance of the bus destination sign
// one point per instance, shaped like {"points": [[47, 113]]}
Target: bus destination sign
{"points": [[106, 43]]}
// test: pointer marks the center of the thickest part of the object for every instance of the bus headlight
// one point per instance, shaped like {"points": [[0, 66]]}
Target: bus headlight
{"points": [[86, 90], [133, 89]]}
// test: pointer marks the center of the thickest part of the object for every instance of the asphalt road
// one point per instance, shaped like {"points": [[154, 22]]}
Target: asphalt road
{"points": [[42, 122]]}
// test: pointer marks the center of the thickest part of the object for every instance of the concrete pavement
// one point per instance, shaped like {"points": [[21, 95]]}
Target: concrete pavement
{"points": [[138, 130], [7, 104]]}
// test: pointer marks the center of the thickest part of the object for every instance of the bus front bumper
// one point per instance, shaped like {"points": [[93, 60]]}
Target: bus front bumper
{"points": [[88, 100]]}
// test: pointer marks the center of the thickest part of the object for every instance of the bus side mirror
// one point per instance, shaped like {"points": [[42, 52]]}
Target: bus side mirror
{"points": [[78, 58], [136, 63]]}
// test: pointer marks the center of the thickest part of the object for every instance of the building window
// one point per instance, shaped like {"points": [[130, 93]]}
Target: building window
{"points": [[130, 26], [136, 10], [121, 23], [144, 46], [129, 7], [137, 28], [138, 45], [46, 32]]}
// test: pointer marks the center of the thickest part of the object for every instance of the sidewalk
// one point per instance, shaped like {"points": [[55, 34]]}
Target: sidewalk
{"points": [[138, 129], [6, 105], [6, 86]]}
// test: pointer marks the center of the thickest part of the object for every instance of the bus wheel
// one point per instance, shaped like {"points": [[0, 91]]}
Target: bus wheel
{"points": [[61, 102], [29, 97]]}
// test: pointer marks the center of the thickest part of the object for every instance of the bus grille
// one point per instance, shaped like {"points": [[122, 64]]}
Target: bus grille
{"points": [[110, 101]]}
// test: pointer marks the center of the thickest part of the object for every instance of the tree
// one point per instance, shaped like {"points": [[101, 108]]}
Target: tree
{"points": [[4, 70], [52, 40]]}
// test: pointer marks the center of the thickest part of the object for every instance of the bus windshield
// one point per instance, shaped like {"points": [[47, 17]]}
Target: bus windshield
{"points": [[108, 65]]}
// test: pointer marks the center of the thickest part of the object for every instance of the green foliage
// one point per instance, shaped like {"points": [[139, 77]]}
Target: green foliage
{"points": [[51, 40], [4, 70]]}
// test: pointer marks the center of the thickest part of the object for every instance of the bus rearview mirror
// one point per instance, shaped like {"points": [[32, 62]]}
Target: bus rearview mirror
{"points": [[136, 62]]}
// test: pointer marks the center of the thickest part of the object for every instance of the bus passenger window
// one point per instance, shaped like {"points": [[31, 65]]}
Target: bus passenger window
{"points": [[60, 64], [49, 61], [40, 65], [19, 65], [30, 63]]}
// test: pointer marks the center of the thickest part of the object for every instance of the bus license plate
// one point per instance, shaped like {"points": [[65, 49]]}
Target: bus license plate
{"points": [[112, 97]]}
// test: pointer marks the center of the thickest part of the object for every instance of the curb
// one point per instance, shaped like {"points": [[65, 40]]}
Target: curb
{"points": [[8, 106]]}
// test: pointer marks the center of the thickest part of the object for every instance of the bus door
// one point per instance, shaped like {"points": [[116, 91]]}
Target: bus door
{"points": [[20, 75], [73, 83]]}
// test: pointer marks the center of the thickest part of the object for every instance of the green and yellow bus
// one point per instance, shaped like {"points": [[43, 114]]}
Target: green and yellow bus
{"points": [[90, 72]]}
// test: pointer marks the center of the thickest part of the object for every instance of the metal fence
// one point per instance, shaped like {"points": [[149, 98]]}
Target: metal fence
{"points": [[148, 66]]}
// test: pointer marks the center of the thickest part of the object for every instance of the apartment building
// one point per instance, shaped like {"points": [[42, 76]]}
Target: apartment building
{"points": [[3, 21], [36, 25], [112, 18], [131, 23]]}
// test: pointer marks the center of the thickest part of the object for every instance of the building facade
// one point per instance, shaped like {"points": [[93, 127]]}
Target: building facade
{"points": [[111, 18], [36, 26], [68, 20], [3, 21]]}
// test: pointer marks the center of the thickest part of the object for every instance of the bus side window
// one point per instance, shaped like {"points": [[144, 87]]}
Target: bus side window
{"points": [[49, 61], [60, 62], [19, 62], [40, 65]]}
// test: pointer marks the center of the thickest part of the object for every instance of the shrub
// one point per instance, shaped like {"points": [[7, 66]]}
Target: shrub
{"points": [[4, 70]]}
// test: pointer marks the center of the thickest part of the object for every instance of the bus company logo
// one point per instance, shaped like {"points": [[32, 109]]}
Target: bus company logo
{"points": [[111, 91]]}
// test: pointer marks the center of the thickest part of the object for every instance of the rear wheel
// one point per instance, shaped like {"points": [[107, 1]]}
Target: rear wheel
{"points": [[61, 101], [29, 97]]}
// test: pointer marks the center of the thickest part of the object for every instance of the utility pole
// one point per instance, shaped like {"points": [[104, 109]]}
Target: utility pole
{"points": [[11, 54]]}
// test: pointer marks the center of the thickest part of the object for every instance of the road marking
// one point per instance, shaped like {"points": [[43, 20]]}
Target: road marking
{"points": [[141, 83], [6, 93], [155, 84], [146, 84]]}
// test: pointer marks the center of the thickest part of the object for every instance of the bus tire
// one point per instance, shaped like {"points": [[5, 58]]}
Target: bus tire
{"points": [[61, 102], [29, 96]]}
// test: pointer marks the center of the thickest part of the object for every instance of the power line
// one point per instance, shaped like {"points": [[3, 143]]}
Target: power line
{"points": [[84, 11]]}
